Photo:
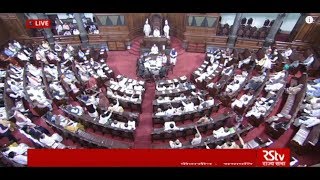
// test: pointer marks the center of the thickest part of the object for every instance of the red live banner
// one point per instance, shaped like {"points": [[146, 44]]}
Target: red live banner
{"points": [[38, 23], [158, 158]]}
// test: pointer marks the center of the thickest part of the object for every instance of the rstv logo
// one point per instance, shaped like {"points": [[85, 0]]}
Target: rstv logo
{"points": [[273, 157]]}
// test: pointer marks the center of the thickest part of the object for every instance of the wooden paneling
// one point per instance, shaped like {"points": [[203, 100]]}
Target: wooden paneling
{"points": [[4, 34], [112, 46], [177, 23], [217, 41], [135, 22], [249, 43], [13, 22], [308, 33], [298, 46], [115, 36], [72, 40]]}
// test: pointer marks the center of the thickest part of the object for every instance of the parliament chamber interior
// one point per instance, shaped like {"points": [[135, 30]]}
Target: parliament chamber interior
{"points": [[160, 81]]}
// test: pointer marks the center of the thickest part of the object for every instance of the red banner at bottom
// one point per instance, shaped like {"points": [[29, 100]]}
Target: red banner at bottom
{"points": [[159, 158]]}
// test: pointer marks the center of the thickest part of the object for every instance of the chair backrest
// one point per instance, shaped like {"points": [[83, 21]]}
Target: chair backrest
{"points": [[156, 21]]}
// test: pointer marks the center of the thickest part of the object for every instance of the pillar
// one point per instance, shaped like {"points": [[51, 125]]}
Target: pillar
{"points": [[83, 33], [233, 34], [274, 30], [47, 33]]}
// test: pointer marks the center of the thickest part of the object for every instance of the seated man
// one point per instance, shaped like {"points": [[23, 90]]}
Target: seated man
{"points": [[8, 52], [22, 56], [228, 145], [105, 118], [156, 33], [175, 144], [66, 123], [160, 112], [197, 137], [245, 61], [53, 141], [21, 149], [6, 132], [130, 125], [178, 98], [78, 110], [171, 126], [209, 102], [227, 71], [154, 49], [309, 121], [313, 113], [307, 62], [20, 159], [243, 101], [188, 106], [160, 88], [163, 99], [116, 124], [204, 119], [222, 132], [232, 87], [310, 106], [287, 53], [170, 111], [276, 77], [57, 47], [274, 87]]}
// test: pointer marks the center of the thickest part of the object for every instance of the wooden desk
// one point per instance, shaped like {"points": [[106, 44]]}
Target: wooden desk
{"points": [[87, 139], [215, 123], [148, 42]]}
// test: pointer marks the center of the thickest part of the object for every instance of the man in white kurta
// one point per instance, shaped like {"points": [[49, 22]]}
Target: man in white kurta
{"points": [[166, 29], [156, 33], [154, 49], [146, 29]]}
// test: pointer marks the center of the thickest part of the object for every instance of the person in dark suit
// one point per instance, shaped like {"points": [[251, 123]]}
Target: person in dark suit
{"points": [[243, 21], [250, 21], [163, 72], [5, 132], [266, 22]]}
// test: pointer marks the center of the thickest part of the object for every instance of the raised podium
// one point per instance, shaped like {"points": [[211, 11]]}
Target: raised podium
{"points": [[148, 42]]}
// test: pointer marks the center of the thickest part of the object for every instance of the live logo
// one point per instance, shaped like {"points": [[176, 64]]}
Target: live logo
{"points": [[38, 23]]}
